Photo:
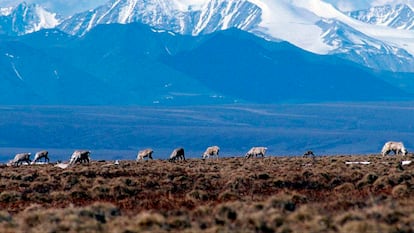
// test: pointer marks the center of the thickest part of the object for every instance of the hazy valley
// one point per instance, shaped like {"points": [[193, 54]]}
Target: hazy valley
{"points": [[286, 129]]}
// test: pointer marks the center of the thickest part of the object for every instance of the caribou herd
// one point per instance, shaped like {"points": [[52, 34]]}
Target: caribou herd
{"points": [[84, 156]]}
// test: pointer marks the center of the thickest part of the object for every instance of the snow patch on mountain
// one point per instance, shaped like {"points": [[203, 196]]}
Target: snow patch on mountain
{"points": [[45, 19], [6, 11], [290, 21], [18, 75]]}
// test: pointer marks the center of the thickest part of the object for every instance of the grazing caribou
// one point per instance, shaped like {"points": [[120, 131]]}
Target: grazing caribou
{"points": [[308, 153], [80, 156], [396, 147], [20, 158], [211, 151], [41, 154], [255, 151], [177, 154], [147, 153]]}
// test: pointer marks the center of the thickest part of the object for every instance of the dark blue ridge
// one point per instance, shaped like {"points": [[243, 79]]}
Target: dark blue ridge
{"points": [[134, 64]]}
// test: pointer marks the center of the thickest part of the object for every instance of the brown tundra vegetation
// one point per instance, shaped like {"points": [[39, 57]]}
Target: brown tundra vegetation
{"points": [[271, 194]]}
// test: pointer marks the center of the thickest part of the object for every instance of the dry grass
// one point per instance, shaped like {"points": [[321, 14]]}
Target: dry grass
{"points": [[272, 194]]}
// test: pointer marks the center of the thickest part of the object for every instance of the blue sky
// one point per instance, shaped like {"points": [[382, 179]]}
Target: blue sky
{"points": [[363, 4], [68, 7], [63, 7]]}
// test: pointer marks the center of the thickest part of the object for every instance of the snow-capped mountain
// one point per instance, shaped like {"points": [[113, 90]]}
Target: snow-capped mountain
{"points": [[26, 18], [356, 46], [190, 19], [400, 16], [312, 25]]}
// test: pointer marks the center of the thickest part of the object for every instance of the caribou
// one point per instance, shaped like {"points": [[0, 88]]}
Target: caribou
{"points": [[147, 153], [308, 153], [255, 151], [211, 151], [20, 158], [41, 154], [177, 154], [396, 147], [80, 156]]}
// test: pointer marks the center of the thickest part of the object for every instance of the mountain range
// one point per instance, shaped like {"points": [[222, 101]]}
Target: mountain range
{"points": [[209, 51], [314, 26]]}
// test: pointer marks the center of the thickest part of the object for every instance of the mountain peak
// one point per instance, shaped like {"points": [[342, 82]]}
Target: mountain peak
{"points": [[24, 4], [26, 18], [399, 16]]}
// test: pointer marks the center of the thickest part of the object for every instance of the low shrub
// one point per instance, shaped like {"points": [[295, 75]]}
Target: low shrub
{"points": [[10, 196], [400, 190], [100, 191], [228, 196], [364, 227], [5, 216], [149, 221], [367, 179], [382, 182], [345, 188], [198, 195]]}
